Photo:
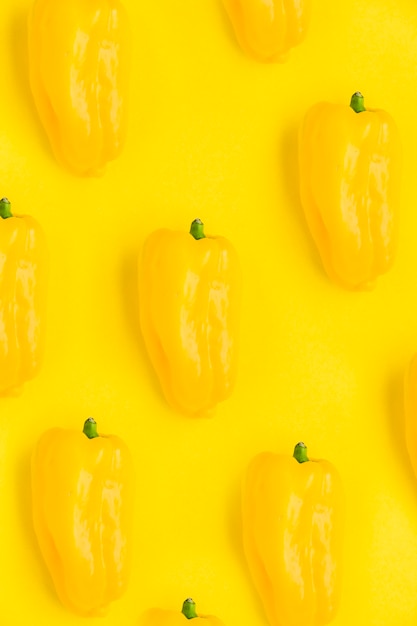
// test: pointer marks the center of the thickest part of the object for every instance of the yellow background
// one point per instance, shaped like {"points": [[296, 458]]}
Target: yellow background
{"points": [[213, 135]]}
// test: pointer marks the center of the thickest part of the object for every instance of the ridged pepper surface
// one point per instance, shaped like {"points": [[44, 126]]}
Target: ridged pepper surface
{"points": [[79, 66], [23, 287], [292, 521], [161, 617], [350, 170], [82, 504], [189, 304], [267, 31]]}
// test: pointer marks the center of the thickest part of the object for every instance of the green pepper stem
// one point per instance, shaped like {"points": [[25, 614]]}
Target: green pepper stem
{"points": [[300, 452], [188, 608], [90, 428], [5, 210], [197, 229], [357, 102]]}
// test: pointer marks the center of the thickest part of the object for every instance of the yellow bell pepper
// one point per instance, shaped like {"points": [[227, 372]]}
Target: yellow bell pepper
{"points": [[82, 504], [350, 169], [292, 522], [79, 65], [189, 305], [410, 401], [267, 31], [23, 278], [161, 617]]}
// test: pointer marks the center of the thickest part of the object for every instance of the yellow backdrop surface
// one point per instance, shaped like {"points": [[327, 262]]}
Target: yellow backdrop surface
{"points": [[213, 134]]}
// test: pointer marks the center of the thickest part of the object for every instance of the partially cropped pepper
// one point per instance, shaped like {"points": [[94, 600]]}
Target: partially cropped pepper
{"points": [[267, 31], [23, 286], [79, 66], [292, 513], [350, 170], [82, 503], [410, 401], [161, 617], [189, 288]]}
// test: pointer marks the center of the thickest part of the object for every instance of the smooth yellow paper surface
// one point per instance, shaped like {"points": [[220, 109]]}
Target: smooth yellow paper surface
{"points": [[213, 134]]}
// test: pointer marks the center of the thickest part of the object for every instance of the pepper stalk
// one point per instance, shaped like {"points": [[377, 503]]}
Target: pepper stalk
{"points": [[300, 452], [90, 428], [197, 229], [188, 609], [5, 209], [357, 102]]}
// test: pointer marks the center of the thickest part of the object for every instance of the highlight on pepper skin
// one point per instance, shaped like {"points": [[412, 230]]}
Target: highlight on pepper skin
{"points": [[267, 31], [350, 162]]}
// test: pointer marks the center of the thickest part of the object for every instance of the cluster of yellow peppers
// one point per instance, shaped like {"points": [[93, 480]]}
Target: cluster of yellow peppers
{"points": [[190, 291]]}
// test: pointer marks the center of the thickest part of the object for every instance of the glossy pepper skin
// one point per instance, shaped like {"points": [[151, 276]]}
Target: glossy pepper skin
{"points": [[350, 170], [292, 521], [410, 401], [23, 287], [161, 617], [82, 504], [79, 66], [189, 305], [266, 31]]}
